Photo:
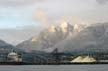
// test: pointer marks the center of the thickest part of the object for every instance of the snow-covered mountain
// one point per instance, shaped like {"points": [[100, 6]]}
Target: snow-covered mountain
{"points": [[93, 38], [70, 38], [50, 37]]}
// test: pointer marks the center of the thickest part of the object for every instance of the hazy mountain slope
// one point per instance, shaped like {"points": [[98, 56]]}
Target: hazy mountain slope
{"points": [[50, 37], [3, 44], [68, 38], [47, 38], [91, 38], [5, 47]]}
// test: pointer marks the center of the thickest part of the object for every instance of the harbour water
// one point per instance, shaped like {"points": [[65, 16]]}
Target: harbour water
{"points": [[54, 68]]}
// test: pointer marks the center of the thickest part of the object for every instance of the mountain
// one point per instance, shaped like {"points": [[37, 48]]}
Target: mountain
{"points": [[80, 38], [92, 39], [3, 44], [50, 37], [5, 47]]}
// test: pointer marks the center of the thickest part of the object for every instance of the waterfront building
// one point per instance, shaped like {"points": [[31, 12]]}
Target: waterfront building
{"points": [[13, 57]]}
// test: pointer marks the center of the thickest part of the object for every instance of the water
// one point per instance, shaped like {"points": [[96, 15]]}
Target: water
{"points": [[55, 68]]}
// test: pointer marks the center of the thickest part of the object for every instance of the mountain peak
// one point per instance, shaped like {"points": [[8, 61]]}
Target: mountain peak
{"points": [[53, 36], [76, 28], [52, 29], [64, 26], [34, 39], [79, 27]]}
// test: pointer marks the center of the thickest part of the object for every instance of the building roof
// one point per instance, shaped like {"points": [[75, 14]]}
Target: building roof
{"points": [[12, 53]]}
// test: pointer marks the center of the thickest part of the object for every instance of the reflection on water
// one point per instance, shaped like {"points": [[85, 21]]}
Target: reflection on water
{"points": [[55, 68]]}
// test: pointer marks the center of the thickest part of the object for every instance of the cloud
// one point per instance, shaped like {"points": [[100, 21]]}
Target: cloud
{"points": [[17, 3], [47, 12], [41, 16], [102, 1]]}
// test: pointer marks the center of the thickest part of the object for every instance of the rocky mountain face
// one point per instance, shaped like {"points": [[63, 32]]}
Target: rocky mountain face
{"points": [[75, 39], [70, 38], [92, 38], [50, 37]]}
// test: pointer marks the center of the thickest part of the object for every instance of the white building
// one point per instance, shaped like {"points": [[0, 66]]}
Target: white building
{"points": [[13, 57]]}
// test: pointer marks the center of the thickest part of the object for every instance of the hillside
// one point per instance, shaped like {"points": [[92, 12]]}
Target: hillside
{"points": [[50, 37]]}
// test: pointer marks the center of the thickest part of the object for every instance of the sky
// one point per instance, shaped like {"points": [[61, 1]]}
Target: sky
{"points": [[18, 16]]}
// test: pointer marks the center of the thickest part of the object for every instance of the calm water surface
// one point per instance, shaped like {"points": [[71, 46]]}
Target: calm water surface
{"points": [[55, 68]]}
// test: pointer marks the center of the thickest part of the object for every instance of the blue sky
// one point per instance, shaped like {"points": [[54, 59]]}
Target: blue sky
{"points": [[13, 17]]}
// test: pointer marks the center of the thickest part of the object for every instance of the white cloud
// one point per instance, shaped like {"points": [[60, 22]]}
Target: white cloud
{"points": [[41, 17], [17, 3], [86, 10]]}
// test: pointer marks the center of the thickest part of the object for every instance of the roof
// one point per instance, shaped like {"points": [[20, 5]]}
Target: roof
{"points": [[12, 53]]}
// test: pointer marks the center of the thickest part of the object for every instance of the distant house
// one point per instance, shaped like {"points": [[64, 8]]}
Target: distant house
{"points": [[13, 57]]}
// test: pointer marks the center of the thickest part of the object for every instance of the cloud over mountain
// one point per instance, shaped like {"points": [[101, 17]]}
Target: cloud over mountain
{"points": [[50, 37], [17, 3], [82, 38]]}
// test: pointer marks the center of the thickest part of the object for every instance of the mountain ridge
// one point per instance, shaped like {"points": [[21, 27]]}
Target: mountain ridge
{"points": [[51, 36]]}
